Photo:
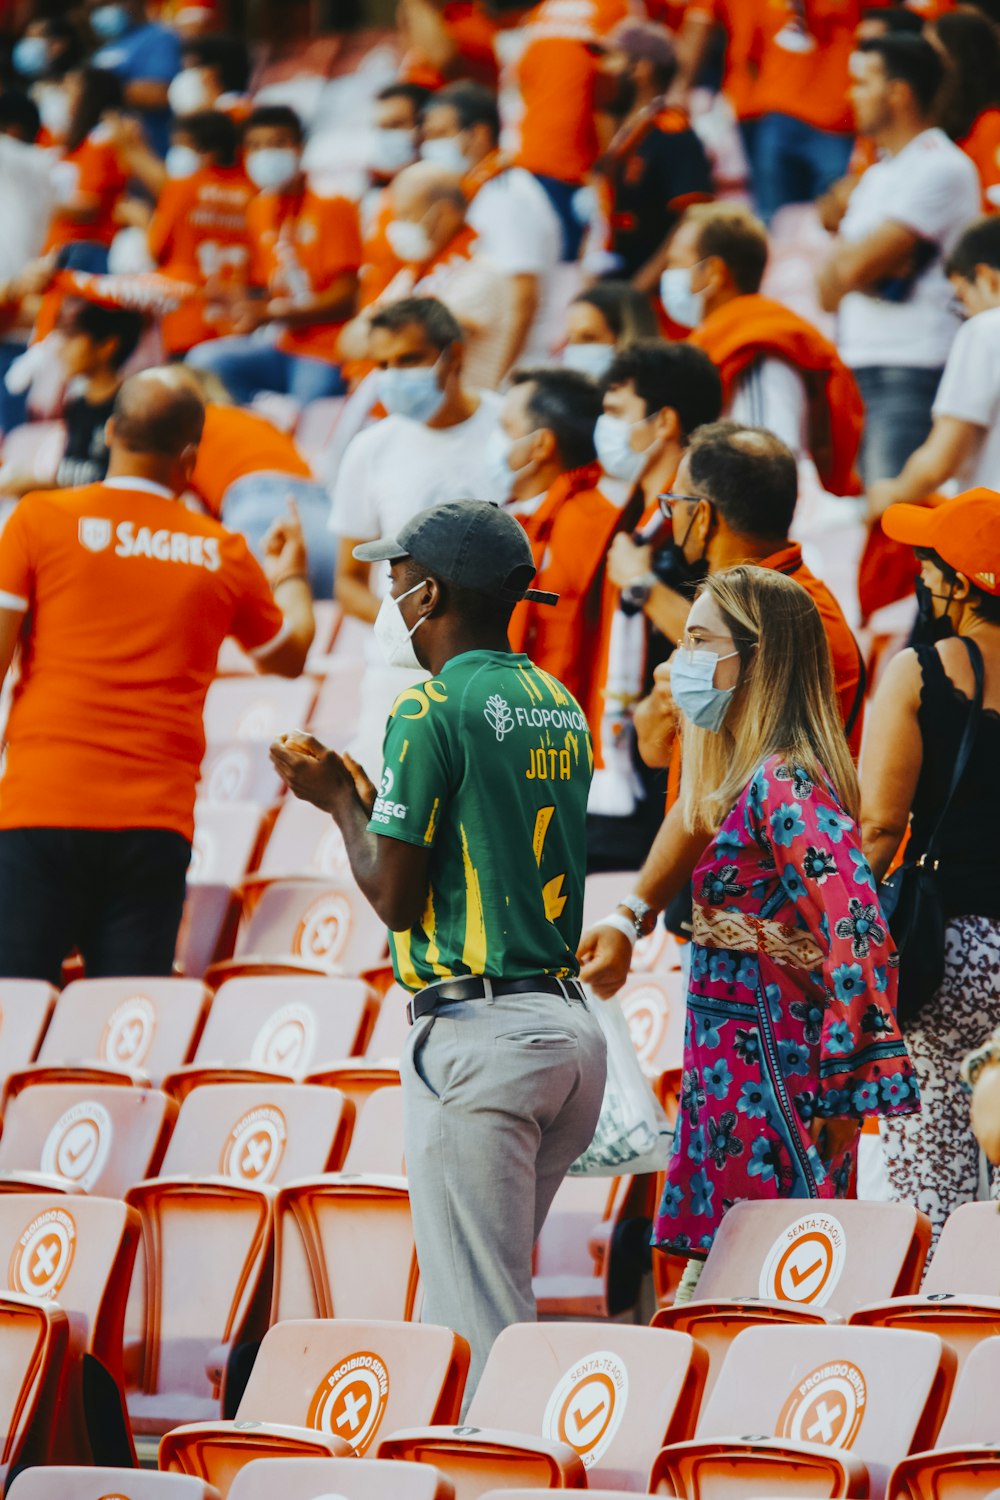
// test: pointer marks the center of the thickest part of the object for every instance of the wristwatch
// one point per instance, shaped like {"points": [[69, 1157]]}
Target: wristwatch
{"points": [[642, 914], [636, 593]]}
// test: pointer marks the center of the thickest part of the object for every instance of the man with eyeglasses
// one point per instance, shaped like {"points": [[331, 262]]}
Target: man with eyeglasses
{"points": [[732, 502]]}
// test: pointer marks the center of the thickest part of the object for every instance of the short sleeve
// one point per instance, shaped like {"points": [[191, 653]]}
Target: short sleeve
{"points": [[257, 622], [970, 385], [17, 559], [416, 774], [935, 195], [514, 238], [864, 1066], [354, 508]]}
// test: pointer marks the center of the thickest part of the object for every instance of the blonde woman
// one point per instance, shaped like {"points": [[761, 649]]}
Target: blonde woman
{"points": [[791, 1034]]}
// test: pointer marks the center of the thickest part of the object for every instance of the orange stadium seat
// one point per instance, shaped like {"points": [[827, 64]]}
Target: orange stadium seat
{"points": [[334, 719], [344, 1242], [83, 1138], [787, 1262], [359, 1077], [594, 1494], [349, 1479], [225, 842], [965, 1461], [128, 1031], [257, 708], [26, 1007], [960, 1295], [306, 927], [562, 1403], [303, 841], [830, 1409], [263, 1027], [579, 1272], [207, 1236], [654, 1005], [327, 1387], [107, 1484], [238, 771], [34, 1337]]}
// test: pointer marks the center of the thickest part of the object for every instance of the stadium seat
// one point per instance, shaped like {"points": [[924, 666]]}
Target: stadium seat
{"points": [[83, 1138], [34, 1337], [316, 424], [208, 928], [238, 771], [785, 1261], [654, 1005], [257, 708], [207, 1236], [327, 1387], [965, 1461], [306, 927], [26, 1007], [303, 841], [830, 1409], [78, 1254], [344, 1242], [349, 1479], [263, 1028], [960, 1295], [359, 1077], [127, 1031], [560, 1404], [35, 448], [107, 1484], [335, 716], [225, 842], [581, 1261], [593, 1494]]}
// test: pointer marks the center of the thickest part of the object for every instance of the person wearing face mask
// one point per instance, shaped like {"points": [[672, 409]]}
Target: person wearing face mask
{"points": [[47, 50], [89, 176], [430, 448], [438, 254], [732, 502], [518, 229], [601, 320], [121, 596], [144, 55], [778, 371], [397, 113], [215, 74], [305, 255], [199, 232], [546, 468], [917, 721], [469, 850], [792, 965]]}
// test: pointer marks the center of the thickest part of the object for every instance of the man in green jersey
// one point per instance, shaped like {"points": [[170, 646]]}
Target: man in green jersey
{"points": [[473, 852]]}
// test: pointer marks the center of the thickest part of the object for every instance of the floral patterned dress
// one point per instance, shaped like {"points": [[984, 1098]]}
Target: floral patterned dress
{"points": [[791, 1009]]}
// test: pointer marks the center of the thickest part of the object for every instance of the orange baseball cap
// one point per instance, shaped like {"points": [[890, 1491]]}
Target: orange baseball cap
{"points": [[964, 531]]}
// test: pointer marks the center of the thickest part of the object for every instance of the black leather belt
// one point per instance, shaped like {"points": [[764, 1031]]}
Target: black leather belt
{"points": [[452, 991]]}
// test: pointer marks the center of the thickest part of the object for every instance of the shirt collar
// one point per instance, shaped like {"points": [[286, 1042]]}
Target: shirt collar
{"points": [[131, 482]]}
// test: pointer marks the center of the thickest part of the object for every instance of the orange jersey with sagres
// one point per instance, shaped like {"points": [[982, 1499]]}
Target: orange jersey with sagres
{"points": [[235, 443], [199, 234], [982, 147], [570, 534], [128, 597], [556, 74], [99, 175], [804, 51], [300, 246], [750, 327]]}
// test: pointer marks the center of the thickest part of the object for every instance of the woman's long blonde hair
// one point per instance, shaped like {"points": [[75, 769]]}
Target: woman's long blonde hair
{"points": [[785, 703]]}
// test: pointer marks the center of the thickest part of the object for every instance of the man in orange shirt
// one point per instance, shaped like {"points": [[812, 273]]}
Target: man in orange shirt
{"points": [[306, 251], [545, 464], [120, 597]]}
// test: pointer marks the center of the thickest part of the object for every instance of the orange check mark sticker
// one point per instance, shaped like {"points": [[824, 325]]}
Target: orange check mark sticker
{"points": [[798, 1277]]}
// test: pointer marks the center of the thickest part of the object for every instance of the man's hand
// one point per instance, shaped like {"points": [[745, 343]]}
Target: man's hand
{"points": [[311, 771], [626, 561], [285, 547], [606, 956], [364, 786]]}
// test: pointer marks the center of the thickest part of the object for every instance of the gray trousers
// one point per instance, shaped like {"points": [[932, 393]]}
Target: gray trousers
{"points": [[500, 1096]]}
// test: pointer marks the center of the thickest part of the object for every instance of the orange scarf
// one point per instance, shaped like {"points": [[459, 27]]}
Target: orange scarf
{"points": [[753, 326], [494, 164]]}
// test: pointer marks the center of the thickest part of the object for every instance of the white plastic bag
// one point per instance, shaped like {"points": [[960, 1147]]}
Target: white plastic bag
{"points": [[632, 1133]]}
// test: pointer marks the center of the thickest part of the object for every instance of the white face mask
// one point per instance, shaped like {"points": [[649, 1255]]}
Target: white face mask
{"points": [[613, 441], [409, 242], [683, 306], [501, 474], [391, 632], [272, 168], [589, 359], [55, 111], [392, 150], [182, 161], [446, 152], [188, 92]]}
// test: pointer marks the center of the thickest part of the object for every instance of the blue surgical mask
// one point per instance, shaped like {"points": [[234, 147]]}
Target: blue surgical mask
{"points": [[109, 22], [446, 152], [182, 161], [683, 306], [589, 359], [613, 441], [692, 675], [501, 473], [412, 392], [30, 56], [392, 150]]}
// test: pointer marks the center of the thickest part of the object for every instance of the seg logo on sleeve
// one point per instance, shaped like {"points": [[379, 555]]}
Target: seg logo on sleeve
{"points": [[385, 808]]}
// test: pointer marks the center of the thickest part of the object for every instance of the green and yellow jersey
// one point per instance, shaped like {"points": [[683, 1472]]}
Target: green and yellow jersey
{"points": [[489, 766]]}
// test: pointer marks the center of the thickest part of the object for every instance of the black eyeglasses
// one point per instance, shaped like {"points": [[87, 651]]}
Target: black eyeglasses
{"points": [[668, 500]]}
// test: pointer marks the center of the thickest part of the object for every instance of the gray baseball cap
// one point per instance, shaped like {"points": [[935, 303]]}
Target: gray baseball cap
{"points": [[471, 543]]}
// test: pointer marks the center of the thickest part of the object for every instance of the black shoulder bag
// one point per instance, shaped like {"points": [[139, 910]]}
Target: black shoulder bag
{"points": [[912, 895]]}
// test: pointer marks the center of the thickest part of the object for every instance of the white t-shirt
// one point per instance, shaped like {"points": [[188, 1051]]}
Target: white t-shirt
{"points": [[770, 393], [932, 188], [521, 235], [970, 390]]}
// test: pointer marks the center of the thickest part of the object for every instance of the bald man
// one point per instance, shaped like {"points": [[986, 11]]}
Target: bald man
{"points": [[438, 254], [120, 597]]}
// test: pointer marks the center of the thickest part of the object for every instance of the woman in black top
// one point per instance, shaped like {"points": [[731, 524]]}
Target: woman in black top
{"points": [[912, 740]]}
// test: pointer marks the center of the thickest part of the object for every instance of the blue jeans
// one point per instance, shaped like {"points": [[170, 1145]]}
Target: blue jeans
{"points": [[245, 366], [251, 504], [794, 162], [898, 401], [560, 194]]}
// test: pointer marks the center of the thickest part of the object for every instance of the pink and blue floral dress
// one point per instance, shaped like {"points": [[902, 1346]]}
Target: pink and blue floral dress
{"points": [[791, 1010]]}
